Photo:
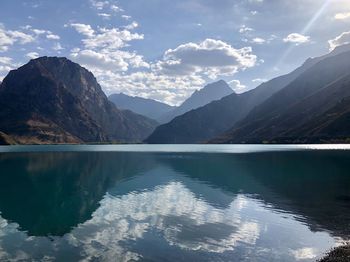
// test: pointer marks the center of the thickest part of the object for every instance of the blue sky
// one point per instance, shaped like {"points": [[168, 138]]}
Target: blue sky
{"points": [[165, 49]]}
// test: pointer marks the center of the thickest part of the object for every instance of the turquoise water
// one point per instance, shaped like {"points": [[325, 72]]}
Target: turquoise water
{"points": [[173, 203]]}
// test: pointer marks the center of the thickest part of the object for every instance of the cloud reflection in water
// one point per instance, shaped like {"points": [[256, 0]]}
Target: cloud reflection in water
{"points": [[184, 221]]}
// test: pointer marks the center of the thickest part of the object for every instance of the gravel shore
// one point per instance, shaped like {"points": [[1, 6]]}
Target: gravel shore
{"points": [[339, 254]]}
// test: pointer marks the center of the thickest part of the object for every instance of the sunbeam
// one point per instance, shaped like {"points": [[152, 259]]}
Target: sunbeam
{"points": [[305, 30], [316, 17]]}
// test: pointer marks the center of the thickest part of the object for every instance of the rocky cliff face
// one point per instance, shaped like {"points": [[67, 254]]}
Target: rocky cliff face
{"points": [[53, 100]]}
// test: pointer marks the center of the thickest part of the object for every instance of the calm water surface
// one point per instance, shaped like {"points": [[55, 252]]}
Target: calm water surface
{"points": [[173, 203]]}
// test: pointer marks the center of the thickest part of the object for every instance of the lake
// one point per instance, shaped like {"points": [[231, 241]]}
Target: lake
{"points": [[173, 202]]}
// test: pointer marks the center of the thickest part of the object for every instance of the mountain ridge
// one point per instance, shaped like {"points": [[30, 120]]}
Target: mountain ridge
{"points": [[283, 117], [53, 100], [209, 93], [147, 107], [218, 116], [213, 120]]}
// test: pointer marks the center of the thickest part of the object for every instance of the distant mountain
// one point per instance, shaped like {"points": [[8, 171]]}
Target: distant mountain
{"points": [[53, 100], [147, 107], [214, 119], [6, 140], [211, 120], [314, 108], [199, 98]]}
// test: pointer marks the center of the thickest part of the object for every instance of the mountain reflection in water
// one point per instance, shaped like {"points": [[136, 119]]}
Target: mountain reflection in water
{"points": [[173, 206]]}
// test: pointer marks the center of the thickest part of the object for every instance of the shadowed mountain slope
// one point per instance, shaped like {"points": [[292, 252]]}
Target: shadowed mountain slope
{"points": [[314, 108], [199, 98], [214, 119], [53, 100]]}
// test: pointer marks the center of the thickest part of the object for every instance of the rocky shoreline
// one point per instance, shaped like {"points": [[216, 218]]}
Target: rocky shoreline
{"points": [[338, 254]]}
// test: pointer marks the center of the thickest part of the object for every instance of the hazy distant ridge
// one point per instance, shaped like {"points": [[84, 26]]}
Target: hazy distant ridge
{"points": [[147, 107]]}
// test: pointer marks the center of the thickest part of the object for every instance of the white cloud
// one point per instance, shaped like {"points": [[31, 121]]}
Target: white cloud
{"points": [[259, 80], [304, 253], [237, 86], [83, 29], [171, 79], [116, 8], [170, 89], [258, 40], [113, 38], [52, 36], [99, 5], [32, 55], [126, 17], [210, 57], [5, 60], [97, 60], [27, 27], [296, 38], [342, 39], [132, 26], [104, 15], [9, 38], [342, 16], [103, 54], [21, 37], [120, 219], [102, 49], [6, 64], [5, 41], [245, 29], [39, 31], [106, 5], [57, 47]]}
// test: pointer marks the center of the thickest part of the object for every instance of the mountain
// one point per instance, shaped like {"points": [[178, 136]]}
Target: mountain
{"points": [[199, 98], [6, 140], [53, 100], [314, 108], [214, 119], [217, 117], [147, 107]]}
